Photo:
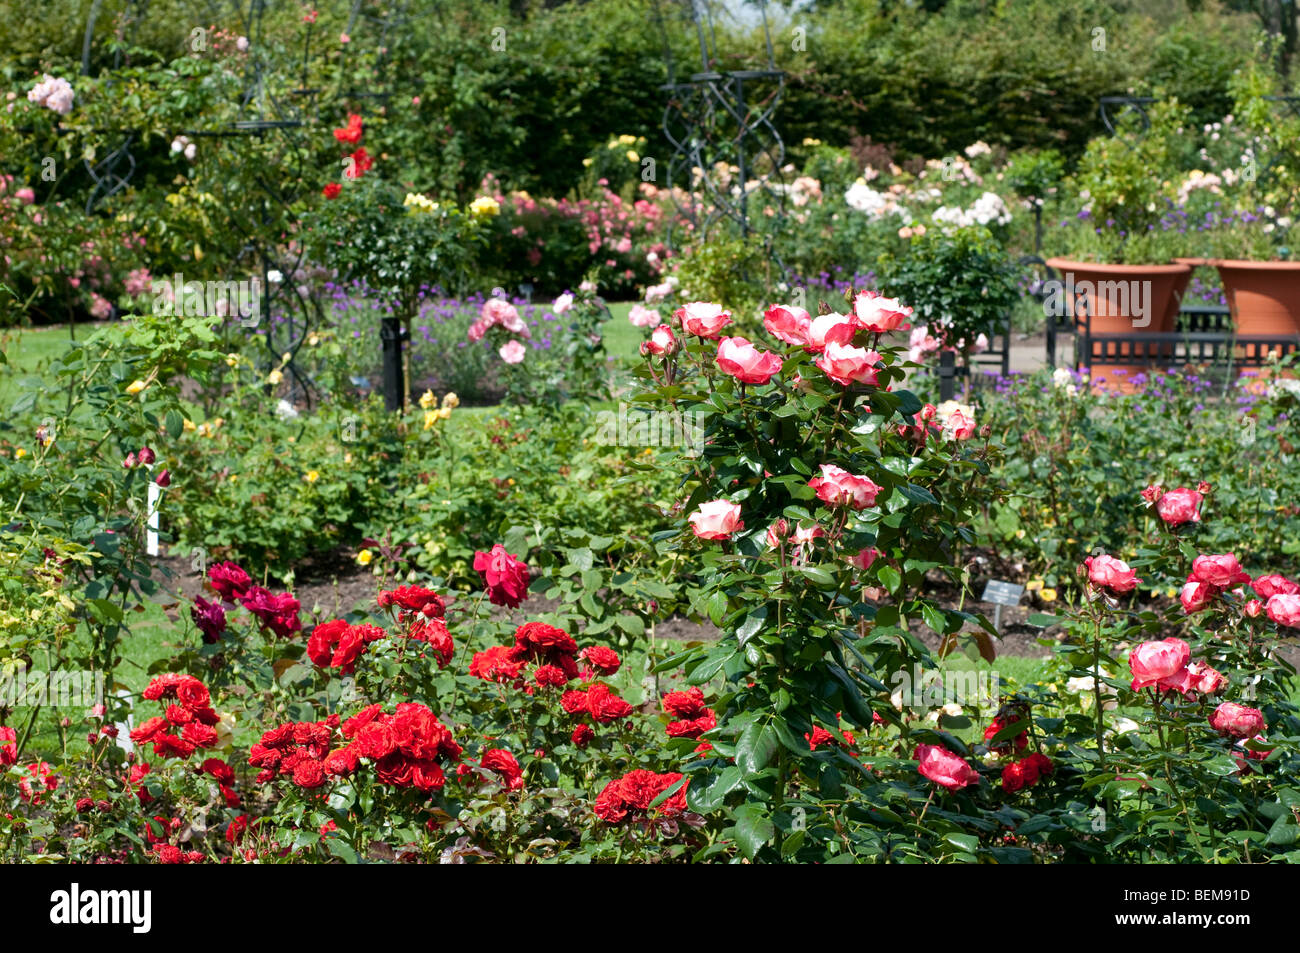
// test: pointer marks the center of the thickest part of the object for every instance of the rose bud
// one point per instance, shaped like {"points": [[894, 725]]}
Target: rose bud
{"points": [[129, 462], [145, 456], [164, 478]]}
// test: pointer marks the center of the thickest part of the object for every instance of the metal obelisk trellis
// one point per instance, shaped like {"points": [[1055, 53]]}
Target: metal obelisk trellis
{"points": [[266, 211], [111, 173], [393, 334], [717, 120]]}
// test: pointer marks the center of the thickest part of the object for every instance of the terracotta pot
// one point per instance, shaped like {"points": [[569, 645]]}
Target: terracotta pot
{"points": [[1113, 294], [1264, 296]]}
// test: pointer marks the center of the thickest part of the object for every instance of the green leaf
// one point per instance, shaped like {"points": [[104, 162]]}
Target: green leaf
{"points": [[967, 842], [755, 748], [753, 829], [175, 424]]}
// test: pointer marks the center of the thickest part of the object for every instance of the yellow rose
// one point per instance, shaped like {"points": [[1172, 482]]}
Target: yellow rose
{"points": [[135, 387], [586, 163], [1048, 595], [427, 399], [484, 207], [430, 418], [187, 425], [632, 156], [274, 377], [312, 476], [364, 557], [450, 400], [232, 360], [444, 413], [20, 453], [225, 729]]}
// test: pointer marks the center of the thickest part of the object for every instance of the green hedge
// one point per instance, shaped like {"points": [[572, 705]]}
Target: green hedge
{"points": [[572, 74]]}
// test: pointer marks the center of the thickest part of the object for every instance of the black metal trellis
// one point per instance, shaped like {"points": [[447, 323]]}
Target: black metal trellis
{"points": [[112, 172], [717, 119], [277, 125], [394, 335]]}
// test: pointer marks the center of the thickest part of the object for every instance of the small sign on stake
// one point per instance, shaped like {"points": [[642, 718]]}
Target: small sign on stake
{"points": [[1001, 594]]}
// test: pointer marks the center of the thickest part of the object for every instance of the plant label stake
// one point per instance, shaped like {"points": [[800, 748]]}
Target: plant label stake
{"points": [[1001, 594], [151, 532]]}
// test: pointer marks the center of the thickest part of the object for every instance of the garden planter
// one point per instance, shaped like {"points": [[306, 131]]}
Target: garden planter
{"points": [[1264, 296], [1122, 300]]}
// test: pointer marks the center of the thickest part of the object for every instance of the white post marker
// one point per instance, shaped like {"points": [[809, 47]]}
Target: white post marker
{"points": [[151, 531], [1001, 594]]}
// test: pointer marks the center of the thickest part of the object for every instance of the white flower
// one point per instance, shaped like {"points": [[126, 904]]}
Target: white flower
{"points": [[274, 277], [563, 303]]}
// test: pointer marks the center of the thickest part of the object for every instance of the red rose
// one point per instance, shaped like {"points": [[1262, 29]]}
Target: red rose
{"points": [[230, 581], [504, 764], [601, 659], [504, 576], [351, 133], [332, 191]]}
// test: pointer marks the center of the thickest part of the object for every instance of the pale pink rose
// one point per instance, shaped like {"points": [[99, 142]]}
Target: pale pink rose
{"points": [[1153, 662], [502, 312], [642, 317], [921, 343], [477, 330], [827, 329], [512, 352], [716, 519], [1180, 506], [1205, 679], [1237, 721], [788, 323], [1222, 571], [1196, 595], [25, 195], [1196, 677], [746, 363], [1107, 572], [656, 293], [662, 341], [981, 344], [1275, 584], [241, 43], [1247, 755], [864, 558], [872, 311], [944, 768], [1284, 610], [777, 532], [803, 535], [845, 364], [100, 307], [838, 487], [959, 426], [138, 282], [563, 304], [702, 318]]}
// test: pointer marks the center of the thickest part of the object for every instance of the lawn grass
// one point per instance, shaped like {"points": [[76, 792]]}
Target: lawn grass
{"points": [[28, 353]]}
